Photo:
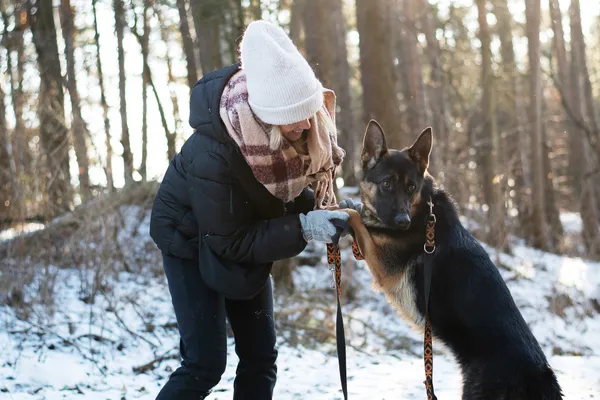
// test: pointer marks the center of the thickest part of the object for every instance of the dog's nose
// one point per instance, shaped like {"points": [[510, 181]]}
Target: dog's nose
{"points": [[402, 220]]}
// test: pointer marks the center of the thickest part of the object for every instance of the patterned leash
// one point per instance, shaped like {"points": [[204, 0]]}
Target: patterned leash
{"points": [[334, 259], [429, 248]]}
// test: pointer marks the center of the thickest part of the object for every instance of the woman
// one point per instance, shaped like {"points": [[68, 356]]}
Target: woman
{"points": [[237, 198]]}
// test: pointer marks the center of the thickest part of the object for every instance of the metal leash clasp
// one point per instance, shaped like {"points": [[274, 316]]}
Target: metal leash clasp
{"points": [[332, 282], [429, 246]]}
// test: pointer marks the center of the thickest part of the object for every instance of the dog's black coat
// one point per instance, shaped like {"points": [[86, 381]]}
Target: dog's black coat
{"points": [[471, 309]]}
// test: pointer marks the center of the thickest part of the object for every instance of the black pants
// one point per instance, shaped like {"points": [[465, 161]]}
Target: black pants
{"points": [[201, 314]]}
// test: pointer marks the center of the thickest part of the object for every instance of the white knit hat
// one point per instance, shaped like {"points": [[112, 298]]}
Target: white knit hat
{"points": [[282, 87]]}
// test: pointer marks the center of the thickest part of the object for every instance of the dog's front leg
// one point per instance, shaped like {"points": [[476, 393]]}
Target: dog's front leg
{"points": [[368, 248]]}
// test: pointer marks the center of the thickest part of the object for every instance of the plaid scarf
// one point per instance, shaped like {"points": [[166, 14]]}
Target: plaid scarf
{"points": [[285, 172]]}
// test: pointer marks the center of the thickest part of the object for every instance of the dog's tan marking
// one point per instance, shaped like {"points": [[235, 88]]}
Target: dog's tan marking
{"points": [[368, 192], [397, 288], [369, 247], [403, 298], [415, 203]]}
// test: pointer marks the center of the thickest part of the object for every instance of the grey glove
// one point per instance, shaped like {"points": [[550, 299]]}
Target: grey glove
{"points": [[349, 203], [324, 225]]}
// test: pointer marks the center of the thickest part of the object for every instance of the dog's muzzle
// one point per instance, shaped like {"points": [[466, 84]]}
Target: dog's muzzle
{"points": [[402, 220]]}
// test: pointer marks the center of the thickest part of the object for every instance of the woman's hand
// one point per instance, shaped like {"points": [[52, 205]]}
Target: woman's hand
{"points": [[324, 225], [349, 203]]}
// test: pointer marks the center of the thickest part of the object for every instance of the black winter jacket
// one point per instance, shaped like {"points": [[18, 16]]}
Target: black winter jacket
{"points": [[209, 192]]}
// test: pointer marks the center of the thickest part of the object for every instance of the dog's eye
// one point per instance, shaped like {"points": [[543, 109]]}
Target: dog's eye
{"points": [[411, 187], [386, 184]]}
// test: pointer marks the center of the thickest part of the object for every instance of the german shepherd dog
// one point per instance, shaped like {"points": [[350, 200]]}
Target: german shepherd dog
{"points": [[470, 308]]}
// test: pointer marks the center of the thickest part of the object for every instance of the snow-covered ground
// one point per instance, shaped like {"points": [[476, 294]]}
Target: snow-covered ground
{"points": [[85, 350]]}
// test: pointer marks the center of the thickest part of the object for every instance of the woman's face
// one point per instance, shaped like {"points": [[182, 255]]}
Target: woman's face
{"points": [[293, 132]]}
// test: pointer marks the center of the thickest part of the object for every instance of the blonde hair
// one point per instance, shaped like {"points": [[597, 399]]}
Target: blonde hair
{"points": [[321, 120]]}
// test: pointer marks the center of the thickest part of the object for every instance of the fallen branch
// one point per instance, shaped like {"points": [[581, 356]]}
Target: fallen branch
{"points": [[95, 337], [150, 365]]}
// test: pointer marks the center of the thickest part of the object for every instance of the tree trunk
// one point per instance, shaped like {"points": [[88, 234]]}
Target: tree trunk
{"points": [[326, 52], [171, 82], [188, 44], [109, 151], [233, 26], [207, 22], [540, 237], [566, 91], [256, 9], [53, 133], [6, 177], [489, 139], [282, 276], [12, 196], [411, 71], [437, 97], [345, 119], [380, 101], [512, 138], [296, 25], [581, 78], [78, 128], [552, 212], [127, 154], [143, 41], [145, 36], [573, 87], [578, 42]]}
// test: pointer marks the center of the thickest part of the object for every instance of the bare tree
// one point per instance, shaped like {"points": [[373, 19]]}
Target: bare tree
{"points": [[297, 24], [489, 141], [256, 9], [410, 69], [570, 83], [78, 127], [512, 136], [233, 26], [380, 100], [171, 82], [581, 80], [327, 53], [11, 192], [540, 237], [6, 177], [143, 41], [51, 110], [109, 151], [580, 63], [188, 43], [120, 28], [345, 119], [437, 93], [207, 15]]}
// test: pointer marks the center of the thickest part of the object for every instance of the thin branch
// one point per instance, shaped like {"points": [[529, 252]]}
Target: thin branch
{"points": [[592, 136], [150, 365]]}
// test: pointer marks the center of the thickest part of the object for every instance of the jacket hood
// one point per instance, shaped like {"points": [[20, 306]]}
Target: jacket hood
{"points": [[205, 101]]}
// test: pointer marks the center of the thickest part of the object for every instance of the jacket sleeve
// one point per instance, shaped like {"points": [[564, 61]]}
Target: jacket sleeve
{"points": [[305, 202], [225, 218]]}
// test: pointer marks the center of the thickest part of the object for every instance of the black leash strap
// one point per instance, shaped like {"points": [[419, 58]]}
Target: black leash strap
{"points": [[334, 259], [429, 249]]}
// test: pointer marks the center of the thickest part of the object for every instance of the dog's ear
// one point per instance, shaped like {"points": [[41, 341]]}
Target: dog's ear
{"points": [[420, 150], [374, 146]]}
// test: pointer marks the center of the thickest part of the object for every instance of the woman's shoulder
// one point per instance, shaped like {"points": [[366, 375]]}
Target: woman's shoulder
{"points": [[201, 155]]}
